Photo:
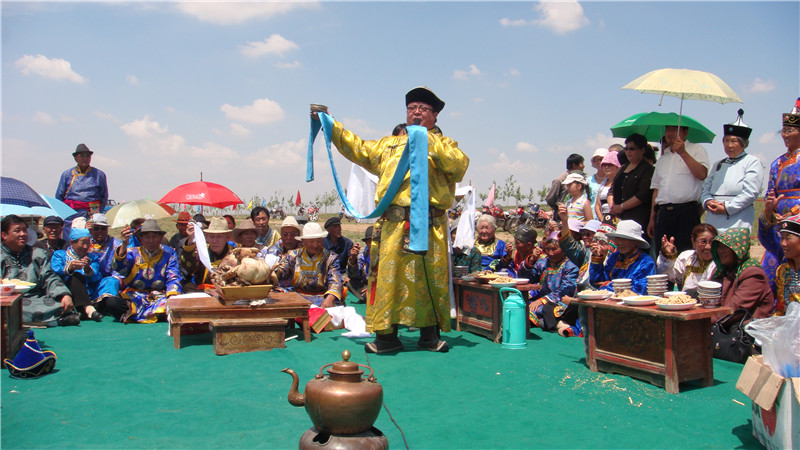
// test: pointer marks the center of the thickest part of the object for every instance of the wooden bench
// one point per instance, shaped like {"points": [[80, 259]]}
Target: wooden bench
{"points": [[247, 335]]}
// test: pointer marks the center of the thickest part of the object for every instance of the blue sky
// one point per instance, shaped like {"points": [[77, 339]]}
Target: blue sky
{"points": [[163, 91]]}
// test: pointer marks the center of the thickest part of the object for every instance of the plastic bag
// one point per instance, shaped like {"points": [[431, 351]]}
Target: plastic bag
{"points": [[779, 337]]}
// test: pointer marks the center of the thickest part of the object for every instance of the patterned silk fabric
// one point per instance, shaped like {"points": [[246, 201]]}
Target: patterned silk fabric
{"points": [[410, 289], [149, 279], [784, 178], [312, 276]]}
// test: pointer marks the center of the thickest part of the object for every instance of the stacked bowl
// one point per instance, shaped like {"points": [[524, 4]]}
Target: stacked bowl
{"points": [[657, 284], [621, 284], [460, 271], [709, 293]]}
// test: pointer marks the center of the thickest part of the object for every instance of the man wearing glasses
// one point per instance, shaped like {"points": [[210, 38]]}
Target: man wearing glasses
{"points": [[102, 244], [410, 289]]}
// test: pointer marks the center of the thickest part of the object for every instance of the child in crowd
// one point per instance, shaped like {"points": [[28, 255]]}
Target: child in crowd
{"points": [[579, 206]]}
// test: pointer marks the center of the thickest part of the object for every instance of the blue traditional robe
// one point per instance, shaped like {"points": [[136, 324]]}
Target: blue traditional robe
{"points": [[97, 285], [149, 280], [313, 277], [636, 267], [89, 186]]}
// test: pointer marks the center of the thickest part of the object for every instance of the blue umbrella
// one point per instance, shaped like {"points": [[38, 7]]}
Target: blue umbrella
{"points": [[61, 209], [15, 192]]}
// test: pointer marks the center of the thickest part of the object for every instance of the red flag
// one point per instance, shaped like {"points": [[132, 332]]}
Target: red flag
{"points": [[297, 201], [490, 199]]}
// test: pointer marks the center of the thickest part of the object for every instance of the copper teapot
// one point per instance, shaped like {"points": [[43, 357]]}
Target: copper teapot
{"points": [[342, 402]]}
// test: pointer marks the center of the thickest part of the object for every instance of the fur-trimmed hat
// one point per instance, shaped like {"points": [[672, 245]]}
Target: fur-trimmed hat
{"points": [[425, 95]]}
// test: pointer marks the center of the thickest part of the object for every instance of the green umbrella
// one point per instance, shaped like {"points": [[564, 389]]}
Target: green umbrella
{"points": [[652, 124]]}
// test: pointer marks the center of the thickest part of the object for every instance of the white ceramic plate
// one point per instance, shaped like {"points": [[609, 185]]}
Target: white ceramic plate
{"points": [[22, 288], [678, 307], [467, 278], [641, 300], [602, 295], [521, 280]]}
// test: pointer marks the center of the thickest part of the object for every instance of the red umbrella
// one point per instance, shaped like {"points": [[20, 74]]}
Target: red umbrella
{"points": [[202, 193], [167, 208], [297, 201]]}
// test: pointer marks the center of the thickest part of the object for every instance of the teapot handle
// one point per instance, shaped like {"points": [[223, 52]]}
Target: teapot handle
{"points": [[371, 376]]}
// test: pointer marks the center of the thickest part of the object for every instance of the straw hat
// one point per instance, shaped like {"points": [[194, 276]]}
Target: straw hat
{"points": [[290, 221], [218, 225], [312, 230], [630, 229], [246, 225]]}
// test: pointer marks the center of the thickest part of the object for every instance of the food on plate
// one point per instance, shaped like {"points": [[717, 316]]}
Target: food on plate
{"points": [[625, 293], [591, 292], [17, 282], [676, 300], [241, 268], [502, 280]]}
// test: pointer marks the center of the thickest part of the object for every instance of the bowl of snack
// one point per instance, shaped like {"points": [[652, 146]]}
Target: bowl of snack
{"points": [[674, 293], [486, 276], [590, 294], [621, 295], [7, 289], [502, 281], [640, 300], [19, 286], [676, 303]]}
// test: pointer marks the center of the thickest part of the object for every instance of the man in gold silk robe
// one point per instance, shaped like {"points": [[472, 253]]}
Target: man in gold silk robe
{"points": [[410, 289]]}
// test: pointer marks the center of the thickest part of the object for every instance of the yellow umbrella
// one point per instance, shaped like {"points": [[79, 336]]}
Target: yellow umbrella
{"points": [[124, 213], [686, 85]]}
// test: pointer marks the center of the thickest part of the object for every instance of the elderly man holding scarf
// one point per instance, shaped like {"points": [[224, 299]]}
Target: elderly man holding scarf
{"points": [[411, 288]]}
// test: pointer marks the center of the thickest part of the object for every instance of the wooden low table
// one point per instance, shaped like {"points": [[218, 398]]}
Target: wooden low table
{"points": [[659, 346], [283, 305], [11, 317], [479, 308]]}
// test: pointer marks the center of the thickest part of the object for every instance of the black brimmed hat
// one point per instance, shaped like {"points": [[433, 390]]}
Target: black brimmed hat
{"points": [[792, 119], [737, 128], [150, 226], [367, 234], [425, 95], [82, 148], [791, 225], [332, 221]]}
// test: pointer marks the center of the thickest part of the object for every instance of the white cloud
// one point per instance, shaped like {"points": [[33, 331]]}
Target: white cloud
{"points": [[132, 80], [601, 140], [760, 85], [513, 72], [561, 17], [506, 22], [231, 13], [287, 154], [526, 147], [769, 138], [285, 65], [107, 117], [261, 111], [55, 69], [505, 166], [275, 44], [238, 129], [465, 74], [155, 141], [44, 118]]}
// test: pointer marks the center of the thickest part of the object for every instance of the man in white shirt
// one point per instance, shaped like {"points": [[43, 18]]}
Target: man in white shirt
{"points": [[677, 183]]}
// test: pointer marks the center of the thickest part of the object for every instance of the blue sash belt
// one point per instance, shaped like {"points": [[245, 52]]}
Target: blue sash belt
{"points": [[414, 159]]}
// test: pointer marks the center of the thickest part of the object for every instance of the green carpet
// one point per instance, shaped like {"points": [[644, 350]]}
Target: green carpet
{"points": [[125, 386]]}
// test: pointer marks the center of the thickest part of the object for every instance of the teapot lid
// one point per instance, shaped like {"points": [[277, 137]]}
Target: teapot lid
{"points": [[345, 367]]}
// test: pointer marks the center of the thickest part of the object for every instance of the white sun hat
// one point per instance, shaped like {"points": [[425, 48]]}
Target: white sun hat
{"points": [[630, 229], [312, 230]]}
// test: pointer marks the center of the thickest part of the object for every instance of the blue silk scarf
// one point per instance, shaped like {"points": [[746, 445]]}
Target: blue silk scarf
{"points": [[414, 159]]}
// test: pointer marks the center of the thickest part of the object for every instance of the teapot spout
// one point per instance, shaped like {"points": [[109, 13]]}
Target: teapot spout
{"points": [[295, 397]]}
